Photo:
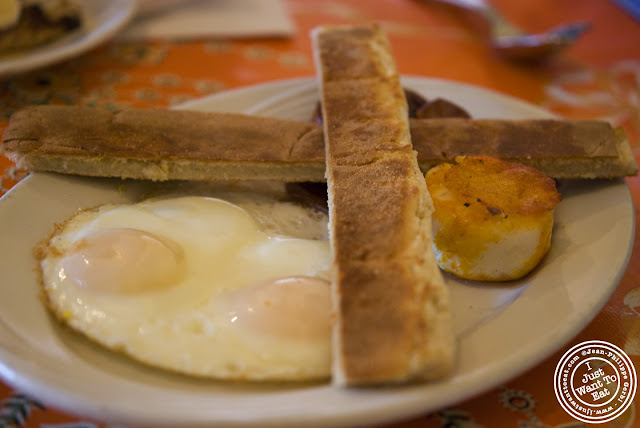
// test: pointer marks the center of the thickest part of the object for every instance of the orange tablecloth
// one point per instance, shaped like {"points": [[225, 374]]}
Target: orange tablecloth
{"points": [[597, 78]]}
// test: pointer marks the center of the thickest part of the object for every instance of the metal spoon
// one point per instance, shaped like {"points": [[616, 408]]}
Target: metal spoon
{"points": [[514, 44]]}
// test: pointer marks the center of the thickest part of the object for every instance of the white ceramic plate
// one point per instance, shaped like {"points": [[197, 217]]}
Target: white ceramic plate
{"points": [[502, 330], [102, 20]]}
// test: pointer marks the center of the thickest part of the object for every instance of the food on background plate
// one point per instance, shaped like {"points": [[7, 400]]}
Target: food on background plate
{"points": [[191, 145], [25, 24], [392, 316], [232, 285], [493, 220]]}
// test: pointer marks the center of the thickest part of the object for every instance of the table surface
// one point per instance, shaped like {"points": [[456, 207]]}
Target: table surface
{"points": [[598, 78]]}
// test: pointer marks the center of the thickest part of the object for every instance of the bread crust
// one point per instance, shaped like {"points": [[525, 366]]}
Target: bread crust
{"points": [[385, 280], [191, 145]]}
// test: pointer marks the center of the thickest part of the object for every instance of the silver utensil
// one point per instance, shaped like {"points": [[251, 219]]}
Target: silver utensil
{"points": [[514, 44]]}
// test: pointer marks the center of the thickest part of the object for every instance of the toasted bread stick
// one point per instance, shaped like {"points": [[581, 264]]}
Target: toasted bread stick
{"points": [[392, 320], [176, 144]]}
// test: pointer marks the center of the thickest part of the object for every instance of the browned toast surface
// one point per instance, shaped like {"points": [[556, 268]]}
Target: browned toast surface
{"points": [[162, 144], [178, 144], [392, 313]]}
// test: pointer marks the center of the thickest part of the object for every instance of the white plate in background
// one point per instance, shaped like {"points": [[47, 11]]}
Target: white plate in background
{"points": [[102, 20], [502, 329]]}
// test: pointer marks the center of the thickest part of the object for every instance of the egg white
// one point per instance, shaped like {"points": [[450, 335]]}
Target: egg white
{"points": [[216, 301]]}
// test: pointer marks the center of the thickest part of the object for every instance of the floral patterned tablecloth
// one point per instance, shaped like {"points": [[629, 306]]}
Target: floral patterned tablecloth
{"points": [[597, 78]]}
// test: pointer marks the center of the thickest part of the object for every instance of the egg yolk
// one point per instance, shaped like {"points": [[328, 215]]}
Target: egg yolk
{"points": [[295, 308], [122, 260]]}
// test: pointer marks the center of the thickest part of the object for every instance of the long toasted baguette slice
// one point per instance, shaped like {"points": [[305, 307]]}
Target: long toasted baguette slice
{"points": [[162, 145], [392, 319], [177, 144], [559, 148]]}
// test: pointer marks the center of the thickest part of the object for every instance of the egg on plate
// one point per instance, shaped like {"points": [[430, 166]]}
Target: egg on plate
{"points": [[230, 287]]}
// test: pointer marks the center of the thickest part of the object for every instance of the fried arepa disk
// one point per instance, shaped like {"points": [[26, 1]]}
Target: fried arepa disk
{"points": [[493, 219]]}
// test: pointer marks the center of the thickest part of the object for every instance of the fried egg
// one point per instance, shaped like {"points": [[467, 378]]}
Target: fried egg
{"points": [[228, 288]]}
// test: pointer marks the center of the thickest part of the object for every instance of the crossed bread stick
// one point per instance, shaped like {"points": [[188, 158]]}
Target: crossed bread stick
{"points": [[392, 317], [190, 145]]}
